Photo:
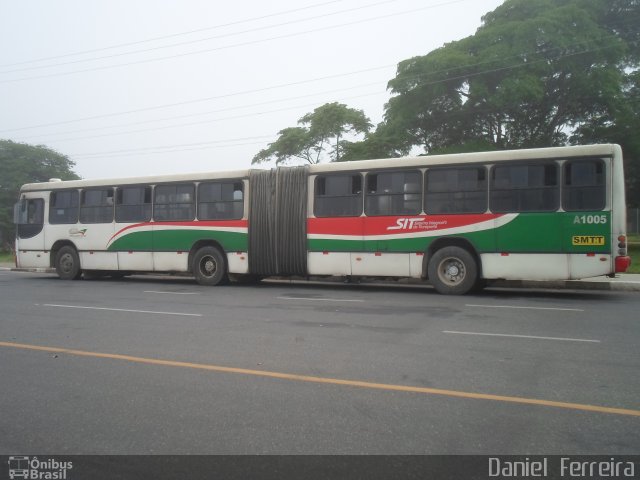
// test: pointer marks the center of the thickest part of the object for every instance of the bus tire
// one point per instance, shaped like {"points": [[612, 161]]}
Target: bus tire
{"points": [[453, 271], [68, 263], [209, 266]]}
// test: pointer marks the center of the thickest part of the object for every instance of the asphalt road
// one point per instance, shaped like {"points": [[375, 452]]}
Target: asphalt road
{"points": [[151, 365]]}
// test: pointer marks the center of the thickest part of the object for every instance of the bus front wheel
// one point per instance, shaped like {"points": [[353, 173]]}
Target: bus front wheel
{"points": [[453, 271], [209, 266], [68, 263]]}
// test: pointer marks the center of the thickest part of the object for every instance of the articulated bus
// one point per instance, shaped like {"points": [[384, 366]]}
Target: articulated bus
{"points": [[456, 220]]}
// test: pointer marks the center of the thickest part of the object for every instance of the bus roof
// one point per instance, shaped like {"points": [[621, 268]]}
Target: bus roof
{"points": [[420, 161]]}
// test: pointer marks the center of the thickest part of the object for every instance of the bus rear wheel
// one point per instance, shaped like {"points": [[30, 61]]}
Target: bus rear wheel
{"points": [[209, 266], [68, 263], [453, 271]]}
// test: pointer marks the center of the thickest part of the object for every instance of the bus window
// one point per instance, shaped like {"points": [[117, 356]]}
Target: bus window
{"points": [[29, 217], [174, 202], [133, 204], [63, 207], [394, 193], [220, 201], [338, 195], [456, 190], [96, 205], [524, 188], [584, 186]]}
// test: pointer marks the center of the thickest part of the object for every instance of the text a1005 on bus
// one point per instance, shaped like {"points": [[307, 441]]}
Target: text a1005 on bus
{"points": [[457, 220]]}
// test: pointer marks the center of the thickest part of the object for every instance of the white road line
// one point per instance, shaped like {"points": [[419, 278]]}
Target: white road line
{"points": [[172, 293], [123, 310], [528, 308], [320, 299], [523, 336]]}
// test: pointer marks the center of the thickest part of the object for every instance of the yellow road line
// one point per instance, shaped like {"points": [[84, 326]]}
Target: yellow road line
{"points": [[331, 381]]}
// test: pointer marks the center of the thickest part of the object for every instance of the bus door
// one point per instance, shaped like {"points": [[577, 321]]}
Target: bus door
{"points": [[29, 219]]}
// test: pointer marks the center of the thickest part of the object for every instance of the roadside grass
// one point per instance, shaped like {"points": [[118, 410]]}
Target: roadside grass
{"points": [[6, 257], [633, 242]]}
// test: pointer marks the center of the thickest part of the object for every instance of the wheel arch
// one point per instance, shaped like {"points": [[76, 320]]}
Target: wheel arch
{"points": [[443, 242], [204, 243], [55, 248]]}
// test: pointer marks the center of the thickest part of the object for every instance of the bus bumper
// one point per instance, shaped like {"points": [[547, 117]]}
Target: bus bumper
{"points": [[622, 263]]}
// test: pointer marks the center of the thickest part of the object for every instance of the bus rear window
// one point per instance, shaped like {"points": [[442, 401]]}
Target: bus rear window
{"points": [[583, 186]]}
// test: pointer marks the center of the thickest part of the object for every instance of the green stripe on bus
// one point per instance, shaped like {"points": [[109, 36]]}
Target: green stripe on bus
{"points": [[179, 240]]}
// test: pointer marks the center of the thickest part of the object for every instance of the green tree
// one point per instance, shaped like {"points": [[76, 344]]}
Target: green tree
{"points": [[21, 163], [321, 133], [383, 142], [533, 72]]}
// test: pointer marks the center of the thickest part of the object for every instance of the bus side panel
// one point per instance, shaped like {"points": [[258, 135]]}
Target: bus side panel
{"points": [[135, 261], [333, 244], [57, 232], [589, 265], [379, 241], [27, 258], [329, 263], [237, 262], [381, 264], [170, 250], [526, 248], [586, 237], [135, 251], [170, 261], [90, 241], [531, 233], [526, 266], [165, 246]]}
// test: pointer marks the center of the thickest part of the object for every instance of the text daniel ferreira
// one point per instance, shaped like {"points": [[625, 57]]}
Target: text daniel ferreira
{"points": [[559, 467]]}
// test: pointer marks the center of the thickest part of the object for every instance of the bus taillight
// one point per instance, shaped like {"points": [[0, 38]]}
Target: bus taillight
{"points": [[622, 263]]}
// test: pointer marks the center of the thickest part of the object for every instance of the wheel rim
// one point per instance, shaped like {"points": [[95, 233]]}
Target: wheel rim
{"points": [[208, 266], [452, 271], [66, 263]]}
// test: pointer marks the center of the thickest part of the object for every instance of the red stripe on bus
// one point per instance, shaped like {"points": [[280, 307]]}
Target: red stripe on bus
{"points": [[336, 225], [393, 225]]}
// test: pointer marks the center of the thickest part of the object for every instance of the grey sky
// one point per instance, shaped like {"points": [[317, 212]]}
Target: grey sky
{"points": [[197, 85]]}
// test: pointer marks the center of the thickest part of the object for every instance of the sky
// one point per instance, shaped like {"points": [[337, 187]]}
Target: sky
{"points": [[149, 87]]}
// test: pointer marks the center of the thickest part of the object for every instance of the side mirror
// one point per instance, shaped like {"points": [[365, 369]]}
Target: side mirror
{"points": [[19, 210]]}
